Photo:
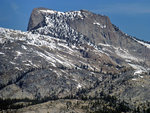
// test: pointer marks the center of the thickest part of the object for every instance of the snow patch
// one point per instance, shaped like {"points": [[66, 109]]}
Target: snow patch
{"points": [[134, 79], [19, 53], [48, 11], [18, 68], [128, 60], [23, 47], [141, 76], [69, 50], [138, 69], [1, 53], [12, 62], [58, 73], [32, 63], [46, 57], [98, 24], [49, 22], [138, 72], [53, 59], [79, 86], [27, 64], [143, 43], [123, 53], [107, 45]]}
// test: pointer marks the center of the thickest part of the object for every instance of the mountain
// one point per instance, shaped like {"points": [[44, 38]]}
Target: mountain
{"points": [[75, 54]]}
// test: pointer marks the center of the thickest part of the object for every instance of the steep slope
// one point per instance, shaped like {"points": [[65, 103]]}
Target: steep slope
{"points": [[75, 53], [30, 58]]}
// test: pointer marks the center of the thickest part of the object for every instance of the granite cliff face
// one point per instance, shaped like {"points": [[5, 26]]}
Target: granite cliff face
{"points": [[73, 53]]}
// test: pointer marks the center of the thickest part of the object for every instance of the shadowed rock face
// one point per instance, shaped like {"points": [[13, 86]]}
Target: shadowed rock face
{"points": [[36, 19], [65, 52]]}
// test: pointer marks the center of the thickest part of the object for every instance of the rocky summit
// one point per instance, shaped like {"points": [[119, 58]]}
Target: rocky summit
{"points": [[75, 61]]}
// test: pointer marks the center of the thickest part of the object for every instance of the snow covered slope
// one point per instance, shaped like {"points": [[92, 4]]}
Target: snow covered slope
{"points": [[31, 57]]}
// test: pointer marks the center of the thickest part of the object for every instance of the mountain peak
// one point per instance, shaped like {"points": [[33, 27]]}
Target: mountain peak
{"points": [[37, 18], [72, 54]]}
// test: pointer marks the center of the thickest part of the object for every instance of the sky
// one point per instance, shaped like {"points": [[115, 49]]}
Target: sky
{"points": [[131, 16]]}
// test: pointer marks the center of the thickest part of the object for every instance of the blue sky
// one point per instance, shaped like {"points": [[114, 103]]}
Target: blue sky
{"points": [[131, 16]]}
